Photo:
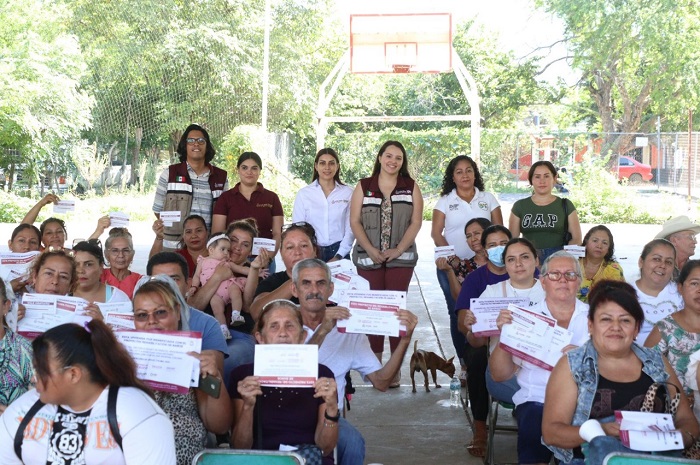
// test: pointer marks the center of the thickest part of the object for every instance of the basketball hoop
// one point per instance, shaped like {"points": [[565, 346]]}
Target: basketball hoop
{"points": [[401, 69]]}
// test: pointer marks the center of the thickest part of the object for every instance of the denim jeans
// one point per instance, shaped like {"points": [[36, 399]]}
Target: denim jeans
{"points": [[241, 350], [351, 444], [458, 340], [326, 252], [502, 392]]}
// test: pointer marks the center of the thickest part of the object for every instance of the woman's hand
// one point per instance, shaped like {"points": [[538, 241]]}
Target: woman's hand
{"points": [[611, 429], [391, 254], [49, 198], [468, 319], [18, 284], [207, 364], [158, 228], [504, 318], [93, 311], [262, 260], [443, 264], [21, 311], [376, 256], [328, 390], [249, 388]]}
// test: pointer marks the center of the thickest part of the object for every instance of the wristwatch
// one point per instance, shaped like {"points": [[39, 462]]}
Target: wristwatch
{"points": [[330, 418]]}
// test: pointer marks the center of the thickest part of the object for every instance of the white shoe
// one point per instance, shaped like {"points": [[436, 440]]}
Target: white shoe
{"points": [[225, 332], [236, 318]]}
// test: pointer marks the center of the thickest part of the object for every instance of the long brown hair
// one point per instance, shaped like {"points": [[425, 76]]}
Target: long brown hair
{"points": [[94, 348]]}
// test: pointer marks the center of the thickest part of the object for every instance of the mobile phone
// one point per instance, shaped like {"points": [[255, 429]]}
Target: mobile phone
{"points": [[210, 385]]}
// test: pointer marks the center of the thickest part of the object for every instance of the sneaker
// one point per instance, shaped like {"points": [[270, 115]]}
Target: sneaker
{"points": [[236, 318], [225, 332]]}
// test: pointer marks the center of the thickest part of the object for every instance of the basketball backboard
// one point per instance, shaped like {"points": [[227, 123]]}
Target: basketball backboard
{"points": [[401, 43]]}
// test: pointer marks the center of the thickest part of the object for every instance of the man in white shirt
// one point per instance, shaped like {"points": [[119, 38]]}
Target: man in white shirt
{"points": [[342, 352]]}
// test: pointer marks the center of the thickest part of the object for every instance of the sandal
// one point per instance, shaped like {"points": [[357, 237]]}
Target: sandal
{"points": [[477, 448]]}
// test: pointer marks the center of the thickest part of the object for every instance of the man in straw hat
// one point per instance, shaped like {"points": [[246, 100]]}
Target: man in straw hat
{"points": [[681, 232]]}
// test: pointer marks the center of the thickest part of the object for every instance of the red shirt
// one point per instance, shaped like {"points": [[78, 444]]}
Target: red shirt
{"points": [[191, 265], [127, 284], [262, 206]]}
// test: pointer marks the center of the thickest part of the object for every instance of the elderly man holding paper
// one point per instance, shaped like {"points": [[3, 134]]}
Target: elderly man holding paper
{"points": [[560, 319], [344, 351], [612, 378]]}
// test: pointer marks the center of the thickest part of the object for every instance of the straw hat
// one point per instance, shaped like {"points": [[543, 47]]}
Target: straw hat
{"points": [[677, 224]]}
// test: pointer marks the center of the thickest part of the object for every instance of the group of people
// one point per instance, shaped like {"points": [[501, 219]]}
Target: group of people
{"points": [[202, 276]]}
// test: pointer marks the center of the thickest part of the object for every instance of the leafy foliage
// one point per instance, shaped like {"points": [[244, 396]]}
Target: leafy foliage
{"points": [[599, 197]]}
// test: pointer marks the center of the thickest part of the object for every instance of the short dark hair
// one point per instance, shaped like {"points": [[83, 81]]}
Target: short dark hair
{"points": [[448, 182], [304, 227], [166, 258], [618, 292], [537, 164], [483, 222], [494, 228], [523, 241], [182, 145], [611, 246], [93, 347], [688, 268], [22, 226], [48, 221], [92, 248], [403, 171], [651, 245], [249, 156]]}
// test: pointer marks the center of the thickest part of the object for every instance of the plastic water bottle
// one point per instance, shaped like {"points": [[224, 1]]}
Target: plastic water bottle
{"points": [[455, 392]]}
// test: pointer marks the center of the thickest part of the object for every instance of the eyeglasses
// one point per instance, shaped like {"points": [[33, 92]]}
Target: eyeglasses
{"points": [[198, 140], [95, 242], [161, 314], [118, 252], [556, 275]]}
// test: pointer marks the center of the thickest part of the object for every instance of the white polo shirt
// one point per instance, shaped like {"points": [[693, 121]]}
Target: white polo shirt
{"points": [[330, 216], [458, 213]]}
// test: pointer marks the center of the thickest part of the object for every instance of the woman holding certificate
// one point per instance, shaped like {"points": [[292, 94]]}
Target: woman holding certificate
{"points": [[53, 272], [266, 417], [88, 406], [159, 306], [608, 373], [386, 213], [560, 278]]}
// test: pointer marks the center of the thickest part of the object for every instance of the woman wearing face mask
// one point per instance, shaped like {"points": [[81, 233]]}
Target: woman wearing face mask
{"points": [[493, 240]]}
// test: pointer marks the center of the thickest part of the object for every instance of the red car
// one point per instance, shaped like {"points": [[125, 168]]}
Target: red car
{"points": [[633, 171]]}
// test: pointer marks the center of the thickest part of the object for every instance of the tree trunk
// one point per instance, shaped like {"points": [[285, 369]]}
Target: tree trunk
{"points": [[138, 137]]}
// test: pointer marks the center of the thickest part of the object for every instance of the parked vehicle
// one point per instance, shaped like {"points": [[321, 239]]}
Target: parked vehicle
{"points": [[632, 170]]}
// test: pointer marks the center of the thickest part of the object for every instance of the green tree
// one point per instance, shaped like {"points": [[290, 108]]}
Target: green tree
{"points": [[42, 104], [637, 58]]}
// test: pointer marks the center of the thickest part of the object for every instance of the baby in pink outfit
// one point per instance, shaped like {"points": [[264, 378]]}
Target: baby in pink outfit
{"points": [[230, 291]]}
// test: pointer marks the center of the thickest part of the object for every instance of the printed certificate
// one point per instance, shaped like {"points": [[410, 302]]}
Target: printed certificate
{"points": [[118, 220], [170, 217], [16, 265], [486, 311], [64, 206], [44, 311], [286, 365], [534, 338], [262, 243], [162, 360], [444, 251], [372, 312], [647, 431]]}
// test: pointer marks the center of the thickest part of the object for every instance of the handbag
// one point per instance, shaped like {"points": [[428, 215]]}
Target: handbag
{"points": [[567, 234], [311, 453], [671, 406]]}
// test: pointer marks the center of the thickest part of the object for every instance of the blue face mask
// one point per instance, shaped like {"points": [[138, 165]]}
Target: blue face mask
{"points": [[496, 255]]}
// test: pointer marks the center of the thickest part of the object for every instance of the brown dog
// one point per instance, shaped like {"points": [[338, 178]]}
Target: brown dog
{"points": [[423, 361]]}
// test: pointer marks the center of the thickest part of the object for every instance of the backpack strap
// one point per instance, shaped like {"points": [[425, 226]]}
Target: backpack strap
{"points": [[112, 414], [19, 435]]}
